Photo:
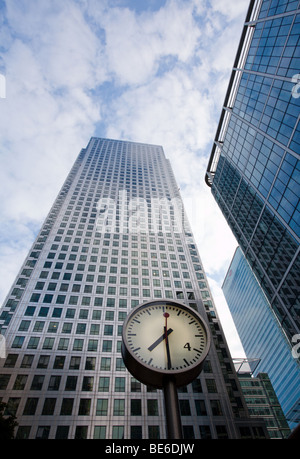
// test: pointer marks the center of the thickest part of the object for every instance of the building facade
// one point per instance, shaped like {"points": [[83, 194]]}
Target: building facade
{"points": [[262, 336], [254, 168], [115, 237], [262, 402]]}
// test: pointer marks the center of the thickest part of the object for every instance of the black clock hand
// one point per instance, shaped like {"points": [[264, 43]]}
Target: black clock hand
{"points": [[168, 350], [159, 340]]}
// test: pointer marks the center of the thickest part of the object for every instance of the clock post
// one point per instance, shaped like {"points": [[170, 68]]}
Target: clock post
{"points": [[164, 345], [173, 419]]}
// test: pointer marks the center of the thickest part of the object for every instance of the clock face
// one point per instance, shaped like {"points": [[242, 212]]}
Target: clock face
{"points": [[165, 337]]}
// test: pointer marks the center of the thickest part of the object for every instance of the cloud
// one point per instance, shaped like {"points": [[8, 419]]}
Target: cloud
{"points": [[137, 44], [230, 9], [119, 69], [47, 116]]}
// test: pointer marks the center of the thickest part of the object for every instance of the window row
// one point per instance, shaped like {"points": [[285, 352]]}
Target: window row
{"points": [[64, 344], [84, 407], [117, 432], [111, 279], [110, 302], [69, 327], [77, 363]]}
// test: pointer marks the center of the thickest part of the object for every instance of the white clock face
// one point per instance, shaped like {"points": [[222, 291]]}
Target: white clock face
{"points": [[166, 336]]}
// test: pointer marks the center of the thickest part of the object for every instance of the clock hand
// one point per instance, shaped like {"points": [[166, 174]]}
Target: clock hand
{"points": [[168, 350], [159, 340], [166, 315]]}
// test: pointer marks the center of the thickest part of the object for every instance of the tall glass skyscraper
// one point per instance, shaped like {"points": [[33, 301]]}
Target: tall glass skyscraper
{"points": [[262, 336], [254, 168], [115, 237]]}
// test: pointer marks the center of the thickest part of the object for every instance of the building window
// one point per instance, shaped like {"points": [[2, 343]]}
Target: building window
{"points": [[84, 407], [43, 432], [222, 432], [200, 408], [100, 432], [81, 432], [49, 406], [54, 382], [107, 346], [62, 432], [153, 432], [63, 344], [216, 407], [118, 432], [205, 432], [136, 407], [78, 345], [37, 382], [18, 342], [188, 432], [103, 384], [90, 363], [71, 383], [119, 384], [105, 363], [102, 407], [119, 407], [184, 406], [43, 361], [52, 328], [19, 384], [10, 361], [27, 361], [152, 407], [136, 432], [211, 386], [48, 343], [66, 407], [30, 406]]}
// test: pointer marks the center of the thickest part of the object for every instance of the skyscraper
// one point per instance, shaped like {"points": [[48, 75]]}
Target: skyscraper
{"points": [[262, 336], [115, 237], [262, 401], [254, 165]]}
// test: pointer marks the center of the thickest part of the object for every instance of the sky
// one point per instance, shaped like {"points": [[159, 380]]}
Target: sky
{"points": [[150, 71]]}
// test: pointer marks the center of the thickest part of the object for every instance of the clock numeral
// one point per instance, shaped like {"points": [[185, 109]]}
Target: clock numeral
{"points": [[187, 346]]}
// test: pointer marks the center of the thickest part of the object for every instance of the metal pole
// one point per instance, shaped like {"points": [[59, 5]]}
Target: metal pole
{"points": [[174, 428]]}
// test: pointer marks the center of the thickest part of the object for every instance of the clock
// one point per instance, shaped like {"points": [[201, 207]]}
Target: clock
{"points": [[162, 340]]}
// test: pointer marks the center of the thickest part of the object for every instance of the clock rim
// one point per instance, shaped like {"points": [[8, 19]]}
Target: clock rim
{"points": [[156, 377]]}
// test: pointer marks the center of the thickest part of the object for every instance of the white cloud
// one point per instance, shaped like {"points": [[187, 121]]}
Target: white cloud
{"points": [[231, 8], [155, 76], [135, 44]]}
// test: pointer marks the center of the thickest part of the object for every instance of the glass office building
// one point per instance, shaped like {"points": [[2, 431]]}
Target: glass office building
{"points": [[254, 167], [262, 336], [116, 237], [262, 401]]}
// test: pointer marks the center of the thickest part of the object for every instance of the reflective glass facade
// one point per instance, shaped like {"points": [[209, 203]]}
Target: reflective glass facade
{"points": [[262, 401], [254, 169], [112, 240], [261, 335]]}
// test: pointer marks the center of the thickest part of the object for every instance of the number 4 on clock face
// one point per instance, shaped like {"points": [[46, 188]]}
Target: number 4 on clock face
{"points": [[164, 338]]}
